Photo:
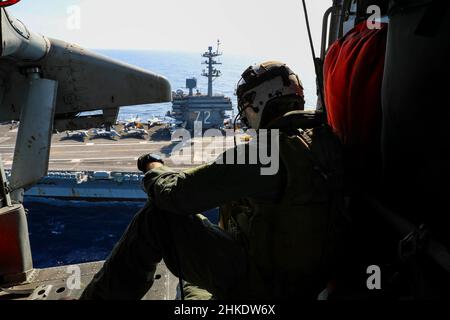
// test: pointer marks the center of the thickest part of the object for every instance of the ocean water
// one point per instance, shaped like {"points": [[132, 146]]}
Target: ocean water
{"points": [[71, 232], [67, 232], [176, 67]]}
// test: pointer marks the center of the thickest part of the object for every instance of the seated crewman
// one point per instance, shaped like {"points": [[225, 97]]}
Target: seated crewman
{"points": [[279, 234]]}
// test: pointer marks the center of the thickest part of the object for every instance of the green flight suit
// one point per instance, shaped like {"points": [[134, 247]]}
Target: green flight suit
{"points": [[244, 260]]}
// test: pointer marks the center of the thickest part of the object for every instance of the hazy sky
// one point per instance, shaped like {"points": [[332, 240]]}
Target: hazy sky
{"points": [[267, 29]]}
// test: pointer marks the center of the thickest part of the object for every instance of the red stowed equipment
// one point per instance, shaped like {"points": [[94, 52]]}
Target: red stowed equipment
{"points": [[353, 74]]}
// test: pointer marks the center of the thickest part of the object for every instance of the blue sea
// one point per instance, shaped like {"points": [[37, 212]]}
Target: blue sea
{"points": [[68, 232]]}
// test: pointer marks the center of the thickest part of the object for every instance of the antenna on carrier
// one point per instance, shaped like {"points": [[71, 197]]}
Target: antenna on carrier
{"points": [[211, 72]]}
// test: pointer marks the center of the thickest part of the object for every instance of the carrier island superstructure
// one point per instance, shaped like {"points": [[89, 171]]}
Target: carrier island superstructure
{"points": [[209, 110]]}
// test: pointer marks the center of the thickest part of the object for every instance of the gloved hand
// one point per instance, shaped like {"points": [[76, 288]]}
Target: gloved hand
{"points": [[144, 160]]}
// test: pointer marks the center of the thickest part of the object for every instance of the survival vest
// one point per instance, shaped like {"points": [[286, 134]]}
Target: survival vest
{"points": [[294, 245]]}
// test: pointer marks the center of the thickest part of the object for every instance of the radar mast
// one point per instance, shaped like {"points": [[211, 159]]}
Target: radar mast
{"points": [[211, 72]]}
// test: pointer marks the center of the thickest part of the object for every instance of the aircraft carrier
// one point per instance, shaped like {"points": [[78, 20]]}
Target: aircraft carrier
{"points": [[100, 163], [96, 154], [98, 168]]}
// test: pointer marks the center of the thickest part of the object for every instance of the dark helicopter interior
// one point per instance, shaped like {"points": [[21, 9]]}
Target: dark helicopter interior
{"points": [[400, 218], [399, 221]]}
